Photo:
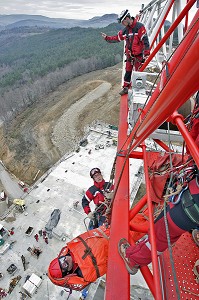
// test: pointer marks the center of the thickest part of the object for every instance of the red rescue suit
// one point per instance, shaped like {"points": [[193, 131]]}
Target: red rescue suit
{"points": [[95, 194], [90, 253], [178, 223], [137, 46]]}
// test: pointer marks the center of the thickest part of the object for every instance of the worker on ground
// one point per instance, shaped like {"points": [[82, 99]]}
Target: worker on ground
{"points": [[36, 237], [136, 48], [23, 262], [3, 195], [99, 192]]}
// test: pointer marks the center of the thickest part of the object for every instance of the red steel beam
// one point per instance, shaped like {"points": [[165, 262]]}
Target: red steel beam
{"points": [[175, 93], [118, 279], [139, 205], [186, 21], [136, 154], [163, 145], [156, 272], [146, 273], [178, 121], [176, 59]]}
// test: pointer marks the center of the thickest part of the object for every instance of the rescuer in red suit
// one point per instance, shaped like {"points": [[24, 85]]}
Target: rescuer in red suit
{"points": [[137, 45], [82, 260], [181, 217], [98, 193]]}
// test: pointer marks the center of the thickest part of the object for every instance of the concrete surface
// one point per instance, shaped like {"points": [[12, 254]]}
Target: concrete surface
{"points": [[63, 185]]}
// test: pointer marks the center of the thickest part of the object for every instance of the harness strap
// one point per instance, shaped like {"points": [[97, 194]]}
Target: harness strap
{"points": [[130, 38], [87, 252], [190, 207]]}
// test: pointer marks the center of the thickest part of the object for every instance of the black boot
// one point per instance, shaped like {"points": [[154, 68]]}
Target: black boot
{"points": [[124, 91]]}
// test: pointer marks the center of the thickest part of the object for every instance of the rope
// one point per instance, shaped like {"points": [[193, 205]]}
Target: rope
{"points": [[170, 157], [166, 224], [102, 232], [170, 253]]}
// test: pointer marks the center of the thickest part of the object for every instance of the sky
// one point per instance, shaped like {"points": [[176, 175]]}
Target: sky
{"points": [[68, 9]]}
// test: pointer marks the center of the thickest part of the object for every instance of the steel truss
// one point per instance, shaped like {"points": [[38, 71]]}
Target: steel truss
{"points": [[179, 81]]}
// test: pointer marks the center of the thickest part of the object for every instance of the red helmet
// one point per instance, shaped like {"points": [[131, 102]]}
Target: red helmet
{"points": [[54, 269], [94, 171]]}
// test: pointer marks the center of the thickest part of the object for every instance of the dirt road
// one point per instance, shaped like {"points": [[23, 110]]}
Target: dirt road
{"points": [[65, 133], [44, 132]]}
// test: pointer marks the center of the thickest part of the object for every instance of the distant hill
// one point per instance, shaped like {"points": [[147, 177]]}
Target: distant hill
{"points": [[16, 21]]}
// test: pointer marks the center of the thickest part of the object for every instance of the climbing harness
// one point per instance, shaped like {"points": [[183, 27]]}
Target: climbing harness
{"points": [[175, 200], [190, 207], [87, 252]]}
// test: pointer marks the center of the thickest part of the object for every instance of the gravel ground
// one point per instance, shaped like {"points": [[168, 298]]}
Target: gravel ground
{"points": [[64, 135]]}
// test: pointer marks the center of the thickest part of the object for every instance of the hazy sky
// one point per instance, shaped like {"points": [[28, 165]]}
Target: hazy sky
{"points": [[78, 9]]}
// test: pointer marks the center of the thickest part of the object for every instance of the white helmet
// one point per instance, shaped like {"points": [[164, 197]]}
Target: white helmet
{"points": [[125, 13]]}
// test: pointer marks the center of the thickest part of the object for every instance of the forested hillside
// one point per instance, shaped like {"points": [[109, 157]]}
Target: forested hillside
{"points": [[21, 20], [34, 62]]}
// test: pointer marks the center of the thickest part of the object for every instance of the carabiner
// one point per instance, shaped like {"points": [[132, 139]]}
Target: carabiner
{"points": [[172, 198]]}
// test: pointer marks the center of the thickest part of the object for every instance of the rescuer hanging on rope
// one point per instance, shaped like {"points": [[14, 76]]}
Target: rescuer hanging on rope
{"points": [[136, 48], [82, 260], [100, 192]]}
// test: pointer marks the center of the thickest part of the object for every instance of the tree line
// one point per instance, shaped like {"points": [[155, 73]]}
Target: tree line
{"points": [[32, 64]]}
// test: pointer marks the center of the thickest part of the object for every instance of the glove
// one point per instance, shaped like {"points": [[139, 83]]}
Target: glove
{"points": [[146, 53], [108, 195], [90, 215], [104, 35]]}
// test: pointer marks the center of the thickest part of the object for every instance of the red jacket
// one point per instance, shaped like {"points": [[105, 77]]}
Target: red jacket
{"points": [[95, 194], [136, 38]]}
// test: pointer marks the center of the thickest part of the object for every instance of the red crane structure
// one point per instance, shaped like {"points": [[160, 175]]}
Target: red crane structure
{"points": [[178, 82]]}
